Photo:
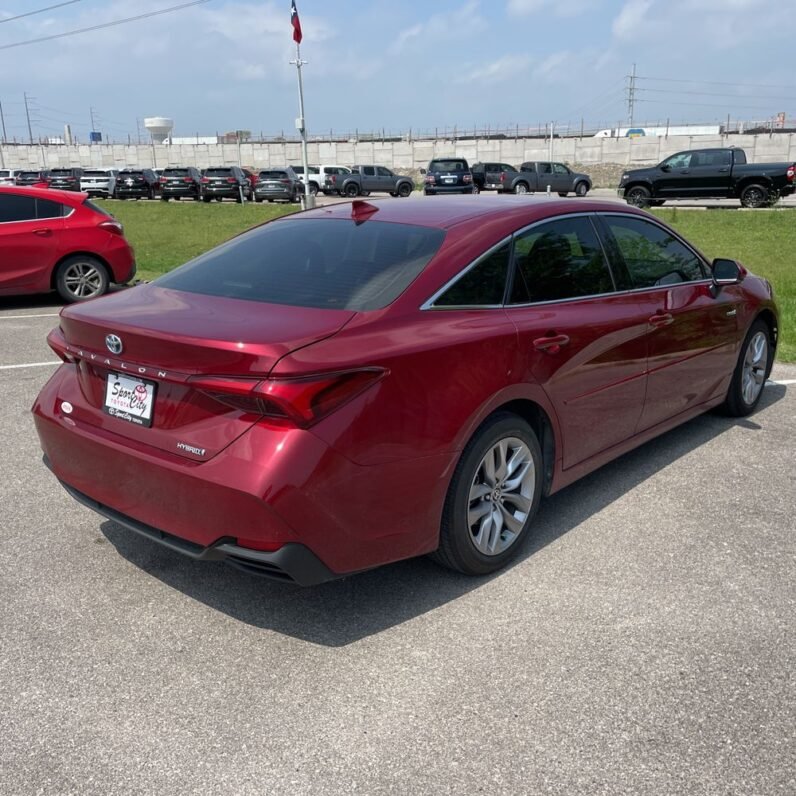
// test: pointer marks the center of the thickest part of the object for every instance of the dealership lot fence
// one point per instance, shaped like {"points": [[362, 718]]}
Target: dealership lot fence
{"points": [[398, 155]]}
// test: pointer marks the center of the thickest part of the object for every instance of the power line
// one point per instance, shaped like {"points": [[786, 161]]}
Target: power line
{"points": [[40, 11], [712, 82], [716, 94], [705, 105], [105, 25]]}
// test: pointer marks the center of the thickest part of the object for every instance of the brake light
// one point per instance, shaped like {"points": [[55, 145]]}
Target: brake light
{"points": [[163, 179], [430, 179], [187, 179], [301, 401], [467, 178], [231, 179], [285, 182], [56, 341], [205, 179], [333, 178], [791, 172], [112, 226]]}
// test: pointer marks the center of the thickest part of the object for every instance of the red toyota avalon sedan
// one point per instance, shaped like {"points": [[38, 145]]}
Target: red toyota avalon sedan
{"points": [[367, 382], [59, 240]]}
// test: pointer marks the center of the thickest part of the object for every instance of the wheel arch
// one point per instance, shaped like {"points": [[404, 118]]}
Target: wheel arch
{"points": [[639, 184], [745, 182]]}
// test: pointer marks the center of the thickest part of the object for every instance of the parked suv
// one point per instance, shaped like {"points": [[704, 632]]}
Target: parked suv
{"points": [[448, 175], [179, 181], [136, 184], [36, 177], [282, 183], [8, 176], [65, 179], [225, 181], [98, 182]]}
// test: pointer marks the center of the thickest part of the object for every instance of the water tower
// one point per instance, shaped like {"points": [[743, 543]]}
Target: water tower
{"points": [[159, 128]]}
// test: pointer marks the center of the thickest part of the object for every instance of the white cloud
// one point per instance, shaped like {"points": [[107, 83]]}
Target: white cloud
{"points": [[495, 71], [561, 8], [631, 19], [455, 24]]}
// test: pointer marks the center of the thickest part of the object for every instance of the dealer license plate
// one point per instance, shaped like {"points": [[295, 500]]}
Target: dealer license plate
{"points": [[130, 399]]}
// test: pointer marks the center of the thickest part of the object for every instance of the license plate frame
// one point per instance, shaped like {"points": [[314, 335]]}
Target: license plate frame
{"points": [[129, 398]]}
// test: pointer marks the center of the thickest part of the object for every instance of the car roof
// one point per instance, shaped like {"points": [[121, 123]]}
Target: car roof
{"points": [[72, 198], [445, 212]]}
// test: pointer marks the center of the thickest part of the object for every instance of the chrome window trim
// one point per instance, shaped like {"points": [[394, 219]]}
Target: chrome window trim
{"points": [[591, 214]]}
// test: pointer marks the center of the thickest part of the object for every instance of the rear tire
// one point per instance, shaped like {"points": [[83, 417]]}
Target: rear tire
{"points": [[521, 187], [754, 195], [404, 189], [351, 190], [206, 199], [751, 371], [80, 278], [492, 498]]}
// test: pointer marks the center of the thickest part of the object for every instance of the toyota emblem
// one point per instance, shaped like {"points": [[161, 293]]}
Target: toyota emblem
{"points": [[114, 343]]}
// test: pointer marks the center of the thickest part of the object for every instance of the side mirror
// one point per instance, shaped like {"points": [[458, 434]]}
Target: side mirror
{"points": [[422, 171], [727, 272], [666, 167]]}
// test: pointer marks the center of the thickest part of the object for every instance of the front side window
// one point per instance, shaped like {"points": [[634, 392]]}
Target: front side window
{"points": [[560, 168], [322, 263], [483, 285], [17, 208], [384, 172], [559, 260], [682, 160], [652, 255]]}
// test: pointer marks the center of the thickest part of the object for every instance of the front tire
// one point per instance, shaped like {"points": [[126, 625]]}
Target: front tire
{"points": [[81, 278], [351, 190], [638, 196], [754, 195], [751, 371], [581, 189], [404, 189], [493, 497]]}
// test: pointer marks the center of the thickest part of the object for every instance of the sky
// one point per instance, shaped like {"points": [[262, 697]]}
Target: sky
{"points": [[397, 65]]}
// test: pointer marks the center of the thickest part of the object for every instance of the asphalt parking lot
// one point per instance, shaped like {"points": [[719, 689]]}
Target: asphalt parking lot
{"points": [[642, 645]]}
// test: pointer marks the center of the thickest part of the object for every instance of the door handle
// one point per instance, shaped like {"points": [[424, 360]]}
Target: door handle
{"points": [[661, 319], [43, 232], [551, 343], [725, 169], [685, 171]]}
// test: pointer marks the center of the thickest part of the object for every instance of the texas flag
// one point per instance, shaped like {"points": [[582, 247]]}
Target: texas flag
{"points": [[295, 22]]}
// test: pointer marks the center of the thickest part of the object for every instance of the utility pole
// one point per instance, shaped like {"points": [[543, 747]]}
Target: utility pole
{"points": [[3, 120], [631, 96], [309, 199], [93, 124], [27, 115]]}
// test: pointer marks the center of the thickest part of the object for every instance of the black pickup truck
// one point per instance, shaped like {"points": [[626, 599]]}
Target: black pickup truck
{"points": [[364, 179], [709, 174]]}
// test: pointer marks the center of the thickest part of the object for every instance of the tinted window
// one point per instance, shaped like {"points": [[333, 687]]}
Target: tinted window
{"points": [[29, 174], [62, 172], [95, 173], [682, 160], [5, 173], [368, 171], [560, 168], [17, 208], [96, 208], [218, 172], [382, 172], [273, 175], [528, 167], [130, 173], [176, 172], [739, 155], [651, 254], [505, 167], [483, 285], [545, 168], [715, 158], [47, 209], [323, 263], [447, 165], [559, 260]]}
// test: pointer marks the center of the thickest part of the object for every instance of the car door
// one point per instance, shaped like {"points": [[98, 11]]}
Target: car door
{"points": [[562, 178], [27, 243], [544, 172], [672, 176], [709, 173], [386, 179], [582, 340], [692, 331]]}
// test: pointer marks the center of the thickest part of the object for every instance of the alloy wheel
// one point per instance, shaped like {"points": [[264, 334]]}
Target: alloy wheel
{"points": [[83, 280], [754, 368]]}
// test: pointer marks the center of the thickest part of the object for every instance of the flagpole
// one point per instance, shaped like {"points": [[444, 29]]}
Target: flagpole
{"points": [[309, 199]]}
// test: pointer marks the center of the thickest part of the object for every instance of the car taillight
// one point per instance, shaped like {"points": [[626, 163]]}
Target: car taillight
{"points": [[333, 178], [467, 178], [503, 176], [791, 173], [187, 179], [285, 182], [302, 401], [56, 341], [430, 179], [112, 226], [232, 180], [205, 179]]}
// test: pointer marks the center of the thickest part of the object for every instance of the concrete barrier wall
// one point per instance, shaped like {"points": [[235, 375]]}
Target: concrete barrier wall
{"points": [[399, 155]]}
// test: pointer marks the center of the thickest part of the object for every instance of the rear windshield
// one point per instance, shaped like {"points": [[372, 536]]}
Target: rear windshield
{"points": [[29, 174], [310, 169], [218, 172], [176, 172], [447, 165], [61, 172], [95, 173], [273, 175], [132, 173], [5, 173], [320, 263]]}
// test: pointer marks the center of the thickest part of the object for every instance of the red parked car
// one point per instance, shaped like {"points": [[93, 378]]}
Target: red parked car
{"points": [[60, 240], [368, 382]]}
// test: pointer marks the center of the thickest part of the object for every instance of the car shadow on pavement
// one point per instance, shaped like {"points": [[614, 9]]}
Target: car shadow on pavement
{"points": [[344, 611], [31, 302]]}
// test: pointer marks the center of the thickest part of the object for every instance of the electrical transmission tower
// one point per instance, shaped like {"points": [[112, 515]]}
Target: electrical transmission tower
{"points": [[631, 96]]}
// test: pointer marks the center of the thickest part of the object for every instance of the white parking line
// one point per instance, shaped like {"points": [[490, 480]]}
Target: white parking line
{"points": [[17, 317], [782, 382], [29, 365]]}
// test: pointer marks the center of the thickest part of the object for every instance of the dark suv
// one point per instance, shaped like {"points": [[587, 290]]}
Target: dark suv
{"points": [[225, 181], [32, 177], [136, 184], [179, 181], [448, 175], [65, 179]]}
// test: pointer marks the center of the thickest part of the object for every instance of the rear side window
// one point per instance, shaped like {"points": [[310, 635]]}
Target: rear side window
{"points": [[559, 260], [528, 167], [484, 285], [368, 171], [17, 208], [47, 209], [96, 208], [447, 165], [652, 255], [321, 263]]}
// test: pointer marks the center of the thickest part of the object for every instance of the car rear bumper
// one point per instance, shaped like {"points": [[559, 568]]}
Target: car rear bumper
{"points": [[274, 194], [443, 189], [179, 190], [270, 489], [231, 191], [135, 191], [292, 563]]}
